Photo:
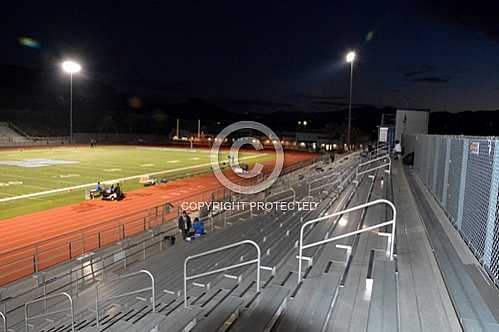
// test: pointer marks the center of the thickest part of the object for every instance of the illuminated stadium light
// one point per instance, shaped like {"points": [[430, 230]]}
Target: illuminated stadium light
{"points": [[71, 67], [350, 57]]}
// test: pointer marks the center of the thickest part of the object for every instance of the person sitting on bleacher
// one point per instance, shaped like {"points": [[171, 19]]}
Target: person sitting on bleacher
{"points": [[198, 227]]}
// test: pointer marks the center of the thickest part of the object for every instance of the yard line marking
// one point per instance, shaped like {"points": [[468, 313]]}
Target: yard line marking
{"points": [[172, 161], [174, 149], [72, 175], [89, 185], [112, 170], [146, 165], [195, 158]]}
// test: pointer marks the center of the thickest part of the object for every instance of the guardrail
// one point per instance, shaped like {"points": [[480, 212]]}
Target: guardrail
{"points": [[391, 239], [27, 318], [138, 291], [24, 261], [388, 163], [323, 185], [383, 148], [223, 269], [4, 321], [97, 266]]}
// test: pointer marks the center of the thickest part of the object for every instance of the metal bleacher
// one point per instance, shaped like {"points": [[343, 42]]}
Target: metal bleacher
{"points": [[362, 261], [11, 135]]}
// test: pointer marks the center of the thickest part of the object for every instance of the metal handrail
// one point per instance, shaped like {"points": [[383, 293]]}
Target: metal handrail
{"points": [[355, 208], [142, 290], [376, 151], [4, 319], [324, 185], [389, 164], [45, 298], [99, 259], [114, 222], [209, 252]]}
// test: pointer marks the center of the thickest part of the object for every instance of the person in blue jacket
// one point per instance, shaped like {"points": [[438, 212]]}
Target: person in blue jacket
{"points": [[198, 227]]}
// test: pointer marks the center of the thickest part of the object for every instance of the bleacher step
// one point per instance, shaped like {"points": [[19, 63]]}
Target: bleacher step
{"points": [[383, 305], [221, 317], [263, 312], [307, 311]]}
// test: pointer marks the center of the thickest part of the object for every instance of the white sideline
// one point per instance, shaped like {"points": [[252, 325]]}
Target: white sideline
{"points": [[81, 186]]}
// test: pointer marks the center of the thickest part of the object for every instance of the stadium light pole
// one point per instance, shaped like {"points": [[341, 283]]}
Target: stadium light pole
{"points": [[71, 68], [350, 59]]}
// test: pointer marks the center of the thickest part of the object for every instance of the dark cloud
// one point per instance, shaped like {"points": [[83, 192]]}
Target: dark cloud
{"points": [[423, 69], [431, 79], [475, 15]]}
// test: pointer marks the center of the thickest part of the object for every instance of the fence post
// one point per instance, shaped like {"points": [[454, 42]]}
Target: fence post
{"points": [[99, 240], [34, 263], [82, 243], [464, 167], [69, 248], [446, 171], [163, 214]]}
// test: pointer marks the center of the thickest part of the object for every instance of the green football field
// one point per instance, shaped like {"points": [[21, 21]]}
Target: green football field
{"points": [[29, 172]]}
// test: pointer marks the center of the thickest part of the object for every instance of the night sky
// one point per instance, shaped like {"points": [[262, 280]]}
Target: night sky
{"points": [[441, 55]]}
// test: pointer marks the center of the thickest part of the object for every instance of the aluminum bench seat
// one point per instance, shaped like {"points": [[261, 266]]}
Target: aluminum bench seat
{"points": [[224, 314], [264, 311], [383, 305], [308, 310]]}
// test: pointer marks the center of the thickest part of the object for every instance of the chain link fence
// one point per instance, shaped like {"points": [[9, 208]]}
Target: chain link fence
{"points": [[462, 173]]}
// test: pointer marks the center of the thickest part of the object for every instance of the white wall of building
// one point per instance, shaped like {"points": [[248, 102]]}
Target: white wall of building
{"points": [[411, 122]]}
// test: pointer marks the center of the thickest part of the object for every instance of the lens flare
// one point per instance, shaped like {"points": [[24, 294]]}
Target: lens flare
{"points": [[29, 42]]}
